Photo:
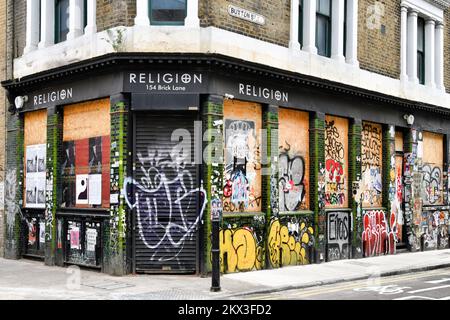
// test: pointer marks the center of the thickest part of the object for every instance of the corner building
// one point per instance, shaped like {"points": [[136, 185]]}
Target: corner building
{"points": [[322, 126]]}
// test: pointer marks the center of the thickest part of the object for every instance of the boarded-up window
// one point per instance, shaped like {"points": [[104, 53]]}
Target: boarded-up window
{"points": [[242, 173], [35, 153], [336, 162], [293, 141], [398, 141], [432, 169], [371, 164], [85, 163]]}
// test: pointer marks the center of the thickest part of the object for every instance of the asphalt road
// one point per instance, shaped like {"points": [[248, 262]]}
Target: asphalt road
{"points": [[429, 285]]}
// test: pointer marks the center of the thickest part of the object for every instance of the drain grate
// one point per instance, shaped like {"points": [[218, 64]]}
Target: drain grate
{"points": [[173, 294], [108, 285]]}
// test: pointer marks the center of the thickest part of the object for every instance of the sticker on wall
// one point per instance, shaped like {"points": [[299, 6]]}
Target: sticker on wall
{"points": [[74, 238], [91, 239], [114, 198], [95, 189], [82, 189]]}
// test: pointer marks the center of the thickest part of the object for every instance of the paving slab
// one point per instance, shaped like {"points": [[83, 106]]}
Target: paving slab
{"points": [[28, 279]]}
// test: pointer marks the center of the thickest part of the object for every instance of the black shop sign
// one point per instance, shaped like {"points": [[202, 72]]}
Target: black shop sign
{"points": [[165, 82]]}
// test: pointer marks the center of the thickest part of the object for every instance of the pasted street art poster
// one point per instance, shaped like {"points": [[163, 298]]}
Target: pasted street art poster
{"points": [[82, 189], [242, 174], [371, 164], [35, 181], [336, 162], [91, 239], [293, 176], [432, 169], [338, 233], [85, 172], [74, 234]]}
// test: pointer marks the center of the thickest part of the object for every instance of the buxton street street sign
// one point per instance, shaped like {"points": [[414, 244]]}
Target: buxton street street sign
{"points": [[246, 15]]}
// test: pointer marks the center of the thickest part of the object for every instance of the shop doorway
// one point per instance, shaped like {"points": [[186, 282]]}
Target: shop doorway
{"points": [[167, 200]]}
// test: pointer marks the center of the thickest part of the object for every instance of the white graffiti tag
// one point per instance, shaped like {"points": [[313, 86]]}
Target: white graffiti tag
{"points": [[164, 199]]}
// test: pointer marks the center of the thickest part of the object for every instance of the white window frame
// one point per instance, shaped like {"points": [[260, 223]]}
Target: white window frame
{"points": [[432, 11], [337, 31]]}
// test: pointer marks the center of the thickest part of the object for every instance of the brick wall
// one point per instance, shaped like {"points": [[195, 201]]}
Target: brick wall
{"points": [[115, 13], [379, 39], [277, 14], [20, 18], [447, 50], [2, 114]]}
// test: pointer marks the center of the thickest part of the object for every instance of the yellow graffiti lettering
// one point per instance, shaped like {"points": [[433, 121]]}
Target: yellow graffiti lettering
{"points": [[239, 251]]}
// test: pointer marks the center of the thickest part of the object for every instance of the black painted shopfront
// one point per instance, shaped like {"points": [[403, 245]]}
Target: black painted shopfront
{"points": [[122, 190]]}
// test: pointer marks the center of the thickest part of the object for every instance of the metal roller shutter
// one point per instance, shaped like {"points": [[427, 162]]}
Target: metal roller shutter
{"points": [[167, 214]]}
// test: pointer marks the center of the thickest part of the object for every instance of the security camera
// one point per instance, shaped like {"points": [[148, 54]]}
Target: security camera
{"points": [[229, 96], [20, 101], [409, 119]]}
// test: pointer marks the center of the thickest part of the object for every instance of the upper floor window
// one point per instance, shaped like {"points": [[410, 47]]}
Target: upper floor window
{"points": [[167, 12], [323, 27], [62, 18], [422, 42], [421, 50], [62, 23]]}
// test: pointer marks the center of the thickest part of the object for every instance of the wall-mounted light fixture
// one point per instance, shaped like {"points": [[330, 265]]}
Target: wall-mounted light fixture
{"points": [[20, 101], [409, 119]]}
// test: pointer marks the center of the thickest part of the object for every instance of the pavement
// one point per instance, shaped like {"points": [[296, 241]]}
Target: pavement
{"points": [[28, 279]]}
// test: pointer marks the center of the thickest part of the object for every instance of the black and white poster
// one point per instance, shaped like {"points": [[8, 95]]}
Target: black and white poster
{"points": [[82, 189], [35, 182]]}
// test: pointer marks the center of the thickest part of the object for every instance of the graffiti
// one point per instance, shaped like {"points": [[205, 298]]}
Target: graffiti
{"points": [[239, 250], [242, 162], [434, 227], [415, 197], [338, 227], [289, 243], [291, 187], [274, 204], [371, 162], [11, 206], [396, 198], [432, 181], [165, 198], [376, 236], [321, 187], [334, 149], [239, 189], [334, 166], [370, 146]]}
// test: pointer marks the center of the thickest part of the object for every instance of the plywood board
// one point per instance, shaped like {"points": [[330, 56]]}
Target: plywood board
{"points": [[87, 119], [398, 141], [35, 127], [432, 169], [293, 141], [371, 164], [336, 162], [242, 174]]}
